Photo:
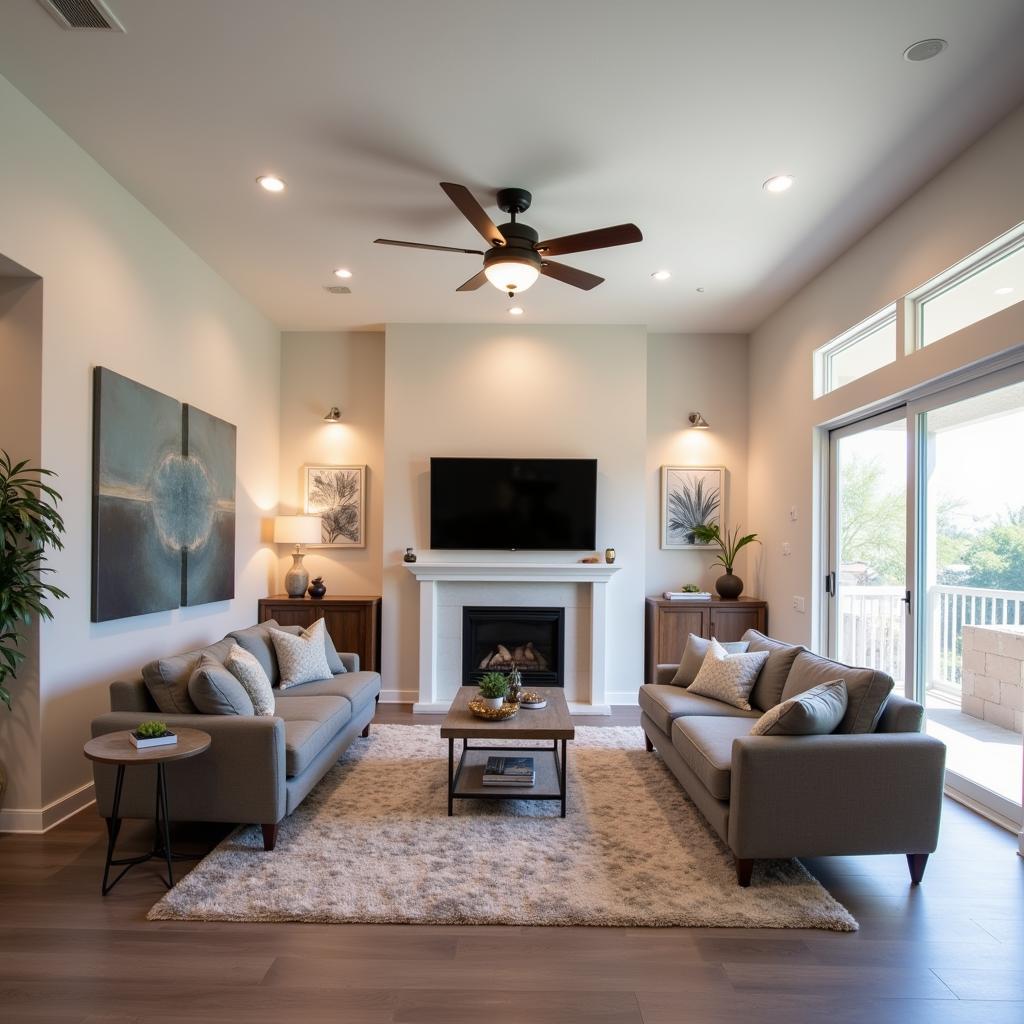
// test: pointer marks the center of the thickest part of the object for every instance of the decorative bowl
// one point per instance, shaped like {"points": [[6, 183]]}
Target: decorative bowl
{"points": [[481, 710], [530, 699]]}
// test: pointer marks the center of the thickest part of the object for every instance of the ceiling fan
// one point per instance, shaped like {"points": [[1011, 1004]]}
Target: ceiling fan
{"points": [[516, 257]]}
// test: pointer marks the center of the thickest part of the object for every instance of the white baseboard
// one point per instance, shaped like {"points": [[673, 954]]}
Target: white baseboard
{"points": [[37, 820], [624, 698], [399, 696]]}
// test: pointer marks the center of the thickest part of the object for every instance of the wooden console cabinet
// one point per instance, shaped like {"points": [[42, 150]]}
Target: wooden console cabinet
{"points": [[668, 623], [353, 622]]}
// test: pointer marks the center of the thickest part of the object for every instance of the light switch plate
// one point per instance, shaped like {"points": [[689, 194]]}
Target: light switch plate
{"points": [[793, 514], [787, 550], [798, 604]]}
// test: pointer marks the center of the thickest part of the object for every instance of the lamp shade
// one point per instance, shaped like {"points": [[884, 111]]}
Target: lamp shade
{"points": [[297, 530]]}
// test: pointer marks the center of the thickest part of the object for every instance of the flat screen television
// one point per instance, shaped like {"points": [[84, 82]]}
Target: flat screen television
{"points": [[513, 504]]}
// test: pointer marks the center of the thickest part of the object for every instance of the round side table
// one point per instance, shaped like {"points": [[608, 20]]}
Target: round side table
{"points": [[115, 748]]}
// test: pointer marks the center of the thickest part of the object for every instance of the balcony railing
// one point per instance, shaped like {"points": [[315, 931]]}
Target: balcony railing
{"points": [[873, 624]]}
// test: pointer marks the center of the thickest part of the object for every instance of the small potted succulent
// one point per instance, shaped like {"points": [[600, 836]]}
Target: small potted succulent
{"points": [[493, 687], [152, 734]]}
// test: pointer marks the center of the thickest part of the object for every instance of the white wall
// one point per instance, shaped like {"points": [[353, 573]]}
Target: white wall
{"points": [[704, 373], [121, 291], [319, 370], [479, 390], [973, 200]]}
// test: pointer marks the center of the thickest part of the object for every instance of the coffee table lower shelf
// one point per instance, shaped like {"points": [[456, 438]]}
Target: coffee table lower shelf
{"points": [[465, 779]]}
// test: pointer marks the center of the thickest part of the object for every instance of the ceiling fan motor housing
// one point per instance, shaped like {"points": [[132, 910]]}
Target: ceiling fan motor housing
{"points": [[520, 240]]}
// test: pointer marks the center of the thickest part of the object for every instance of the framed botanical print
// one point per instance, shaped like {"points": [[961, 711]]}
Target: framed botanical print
{"points": [[338, 495], [690, 496]]}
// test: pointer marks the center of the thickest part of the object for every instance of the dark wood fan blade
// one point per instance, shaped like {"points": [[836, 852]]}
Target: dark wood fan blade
{"points": [[424, 245], [602, 238], [570, 275], [473, 212], [473, 283]]}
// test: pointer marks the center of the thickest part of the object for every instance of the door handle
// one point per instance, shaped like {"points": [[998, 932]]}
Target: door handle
{"points": [[830, 584], [908, 602]]}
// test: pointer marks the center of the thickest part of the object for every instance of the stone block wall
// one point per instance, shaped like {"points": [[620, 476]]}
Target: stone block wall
{"points": [[993, 675]]}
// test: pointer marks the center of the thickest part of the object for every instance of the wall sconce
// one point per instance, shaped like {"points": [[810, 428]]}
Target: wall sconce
{"points": [[333, 415], [698, 422]]}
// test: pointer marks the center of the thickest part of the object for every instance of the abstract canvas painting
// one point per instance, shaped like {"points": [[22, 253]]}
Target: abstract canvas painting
{"points": [[163, 502], [338, 495], [690, 496]]}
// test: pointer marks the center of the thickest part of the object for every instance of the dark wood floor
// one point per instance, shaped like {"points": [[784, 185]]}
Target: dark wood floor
{"points": [[951, 951]]}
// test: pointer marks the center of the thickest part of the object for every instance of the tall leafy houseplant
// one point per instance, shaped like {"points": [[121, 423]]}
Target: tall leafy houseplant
{"points": [[732, 543], [29, 524]]}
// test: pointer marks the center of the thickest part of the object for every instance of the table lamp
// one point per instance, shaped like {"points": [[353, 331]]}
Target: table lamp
{"points": [[297, 530]]}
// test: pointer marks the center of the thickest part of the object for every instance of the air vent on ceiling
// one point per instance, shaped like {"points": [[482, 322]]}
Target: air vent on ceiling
{"points": [[78, 14], [338, 289]]}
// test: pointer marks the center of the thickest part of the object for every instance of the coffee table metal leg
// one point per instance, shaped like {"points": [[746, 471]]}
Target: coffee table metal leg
{"points": [[451, 772], [564, 775], [113, 827]]}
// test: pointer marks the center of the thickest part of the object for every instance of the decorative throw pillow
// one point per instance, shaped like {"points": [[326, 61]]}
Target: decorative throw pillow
{"points": [[215, 691], [245, 667], [302, 658], [767, 690], [334, 662], [816, 712], [693, 657], [728, 677]]}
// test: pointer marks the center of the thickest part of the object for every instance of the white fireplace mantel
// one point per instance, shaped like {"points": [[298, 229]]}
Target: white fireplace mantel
{"points": [[431, 574]]}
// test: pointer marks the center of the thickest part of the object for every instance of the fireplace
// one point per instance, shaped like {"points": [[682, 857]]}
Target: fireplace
{"points": [[493, 639]]}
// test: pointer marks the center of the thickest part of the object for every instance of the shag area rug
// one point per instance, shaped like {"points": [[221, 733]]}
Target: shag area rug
{"points": [[373, 843]]}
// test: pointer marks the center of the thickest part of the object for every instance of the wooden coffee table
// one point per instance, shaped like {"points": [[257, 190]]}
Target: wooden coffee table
{"points": [[465, 781]]}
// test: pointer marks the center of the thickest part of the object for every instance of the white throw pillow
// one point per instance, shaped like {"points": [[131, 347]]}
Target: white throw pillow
{"points": [[246, 668], [728, 677], [302, 658]]}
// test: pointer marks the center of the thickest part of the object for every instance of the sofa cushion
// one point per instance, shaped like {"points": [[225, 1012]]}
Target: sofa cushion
{"points": [[728, 677], [358, 687], [705, 744], [246, 668], [310, 723], [302, 658], [256, 640], [815, 712], [770, 683], [167, 679], [334, 662], [867, 689], [693, 657], [663, 703], [215, 691]]}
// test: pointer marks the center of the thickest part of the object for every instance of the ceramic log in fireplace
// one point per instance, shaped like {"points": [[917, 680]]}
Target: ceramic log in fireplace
{"points": [[532, 638]]}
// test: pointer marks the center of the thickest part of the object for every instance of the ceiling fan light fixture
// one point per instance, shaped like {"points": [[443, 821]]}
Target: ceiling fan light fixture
{"points": [[511, 275]]}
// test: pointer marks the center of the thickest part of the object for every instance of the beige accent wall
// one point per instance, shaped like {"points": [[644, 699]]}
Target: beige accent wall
{"points": [[704, 373], [121, 290], [21, 361], [973, 200], [318, 370]]}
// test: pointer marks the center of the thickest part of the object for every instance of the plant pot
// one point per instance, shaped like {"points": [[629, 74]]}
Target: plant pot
{"points": [[729, 586], [494, 703]]}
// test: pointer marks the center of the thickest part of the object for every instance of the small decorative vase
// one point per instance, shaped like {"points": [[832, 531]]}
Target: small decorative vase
{"points": [[729, 586], [409, 556], [609, 555], [515, 685], [494, 703], [317, 588], [297, 578]]}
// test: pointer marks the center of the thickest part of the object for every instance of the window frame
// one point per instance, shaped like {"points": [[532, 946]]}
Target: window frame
{"points": [[824, 354]]}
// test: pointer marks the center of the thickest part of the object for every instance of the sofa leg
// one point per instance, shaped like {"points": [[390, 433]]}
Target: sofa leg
{"points": [[269, 836], [366, 731], [917, 863], [647, 743], [744, 871]]}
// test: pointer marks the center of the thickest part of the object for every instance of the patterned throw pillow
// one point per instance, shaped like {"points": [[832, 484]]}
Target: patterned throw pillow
{"points": [[728, 677], [815, 712], [246, 668], [302, 658]]}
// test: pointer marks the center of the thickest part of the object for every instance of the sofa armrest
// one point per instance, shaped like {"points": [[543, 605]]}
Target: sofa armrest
{"points": [[793, 796], [664, 674], [240, 778], [349, 660]]}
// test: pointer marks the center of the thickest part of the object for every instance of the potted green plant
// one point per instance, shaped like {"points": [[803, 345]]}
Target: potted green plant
{"points": [[493, 687], [729, 586]]}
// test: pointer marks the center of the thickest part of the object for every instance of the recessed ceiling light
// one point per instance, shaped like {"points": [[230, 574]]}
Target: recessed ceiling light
{"points": [[343, 273], [271, 182], [1004, 290], [661, 275], [779, 183], [515, 310], [924, 49], [701, 289]]}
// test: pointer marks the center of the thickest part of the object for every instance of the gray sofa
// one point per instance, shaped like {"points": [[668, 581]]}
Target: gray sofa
{"points": [[873, 786], [257, 769]]}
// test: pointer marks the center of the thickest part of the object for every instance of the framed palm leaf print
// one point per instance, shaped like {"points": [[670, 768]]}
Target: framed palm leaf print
{"points": [[690, 496]]}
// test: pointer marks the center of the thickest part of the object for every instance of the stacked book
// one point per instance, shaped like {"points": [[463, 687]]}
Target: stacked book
{"points": [[683, 595], [509, 771]]}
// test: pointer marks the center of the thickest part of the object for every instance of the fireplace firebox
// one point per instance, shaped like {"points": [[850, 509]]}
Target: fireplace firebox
{"points": [[495, 639]]}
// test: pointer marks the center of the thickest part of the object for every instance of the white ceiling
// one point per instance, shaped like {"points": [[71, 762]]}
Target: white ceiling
{"points": [[667, 113]]}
